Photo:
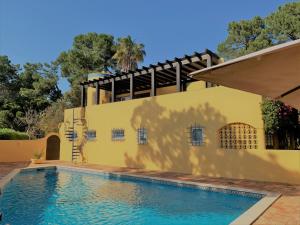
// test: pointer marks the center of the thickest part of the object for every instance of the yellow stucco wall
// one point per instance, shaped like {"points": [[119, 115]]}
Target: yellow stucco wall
{"points": [[20, 150], [23, 150], [167, 118]]}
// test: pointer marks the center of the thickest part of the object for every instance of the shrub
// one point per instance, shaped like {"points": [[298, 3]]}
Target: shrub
{"points": [[10, 134]]}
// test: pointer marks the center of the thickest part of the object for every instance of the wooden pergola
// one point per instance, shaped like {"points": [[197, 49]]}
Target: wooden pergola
{"points": [[169, 73]]}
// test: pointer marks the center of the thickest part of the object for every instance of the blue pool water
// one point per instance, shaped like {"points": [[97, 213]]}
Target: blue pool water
{"points": [[65, 197]]}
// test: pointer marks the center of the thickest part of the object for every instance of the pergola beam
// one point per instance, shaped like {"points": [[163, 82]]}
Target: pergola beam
{"points": [[166, 73]]}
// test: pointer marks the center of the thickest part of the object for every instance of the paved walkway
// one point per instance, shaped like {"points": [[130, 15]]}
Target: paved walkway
{"points": [[5, 168], [285, 211]]}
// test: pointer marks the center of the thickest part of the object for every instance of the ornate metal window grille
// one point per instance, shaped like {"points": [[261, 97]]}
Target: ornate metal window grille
{"points": [[118, 134], [238, 136], [142, 136], [196, 133], [91, 134]]}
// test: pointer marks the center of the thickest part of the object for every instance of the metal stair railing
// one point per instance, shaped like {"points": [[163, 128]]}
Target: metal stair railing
{"points": [[71, 135]]}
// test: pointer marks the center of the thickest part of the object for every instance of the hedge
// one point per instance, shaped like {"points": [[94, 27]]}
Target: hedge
{"points": [[10, 134]]}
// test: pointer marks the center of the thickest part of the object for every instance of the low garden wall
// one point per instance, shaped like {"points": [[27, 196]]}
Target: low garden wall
{"points": [[22, 150]]}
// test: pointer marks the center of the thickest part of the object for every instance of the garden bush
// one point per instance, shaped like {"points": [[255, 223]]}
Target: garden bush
{"points": [[10, 134]]}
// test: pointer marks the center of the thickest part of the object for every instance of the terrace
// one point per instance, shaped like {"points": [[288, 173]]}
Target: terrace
{"points": [[146, 81]]}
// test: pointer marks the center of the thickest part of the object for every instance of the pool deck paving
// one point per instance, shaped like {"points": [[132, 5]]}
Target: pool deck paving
{"points": [[285, 211], [7, 167]]}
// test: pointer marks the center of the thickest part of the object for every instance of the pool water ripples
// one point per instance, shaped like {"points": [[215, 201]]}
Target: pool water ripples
{"points": [[66, 197]]}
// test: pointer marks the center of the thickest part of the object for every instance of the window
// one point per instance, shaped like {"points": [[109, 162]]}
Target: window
{"points": [[91, 134], [238, 136], [118, 134], [196, 135], [142, 136]]}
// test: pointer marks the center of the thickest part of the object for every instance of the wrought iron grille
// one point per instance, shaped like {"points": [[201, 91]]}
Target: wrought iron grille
{"points": [[117, 134], [142, 136], [91, 134], [196, 135]]}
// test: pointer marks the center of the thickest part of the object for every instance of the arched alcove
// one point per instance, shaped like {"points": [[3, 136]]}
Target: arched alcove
{"points": [[53, 148]]}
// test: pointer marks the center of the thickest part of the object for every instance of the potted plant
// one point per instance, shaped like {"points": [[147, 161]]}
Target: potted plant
{"points": [[37, 158]]}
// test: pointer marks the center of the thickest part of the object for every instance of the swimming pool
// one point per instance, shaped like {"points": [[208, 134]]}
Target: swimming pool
{"points": [[62, 196]]}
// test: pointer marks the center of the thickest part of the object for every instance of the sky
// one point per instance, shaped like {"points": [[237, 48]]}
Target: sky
{"points": [[39, 30]]}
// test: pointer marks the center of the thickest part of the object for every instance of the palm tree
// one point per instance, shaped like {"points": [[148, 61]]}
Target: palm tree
{"points": [[128, 54]]}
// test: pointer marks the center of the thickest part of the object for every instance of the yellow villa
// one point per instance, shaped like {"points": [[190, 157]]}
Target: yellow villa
{"points": [[160, 118], [161, 143]]}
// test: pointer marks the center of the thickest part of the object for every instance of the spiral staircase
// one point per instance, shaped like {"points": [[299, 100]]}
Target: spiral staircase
{"points": [[71, 133]]}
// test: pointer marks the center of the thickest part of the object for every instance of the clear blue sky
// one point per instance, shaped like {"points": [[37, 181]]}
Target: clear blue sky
{"points": [[38, 30]]}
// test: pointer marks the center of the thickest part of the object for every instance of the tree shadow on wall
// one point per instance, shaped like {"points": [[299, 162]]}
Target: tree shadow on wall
{"points": [[169, 147]]}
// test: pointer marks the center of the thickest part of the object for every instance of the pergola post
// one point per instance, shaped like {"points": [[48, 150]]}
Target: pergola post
{"points": [[178, 77], [208, 59], [153, 83], [183, 86], [131, 86], [113, 90], [83, 95], [97, 93]]}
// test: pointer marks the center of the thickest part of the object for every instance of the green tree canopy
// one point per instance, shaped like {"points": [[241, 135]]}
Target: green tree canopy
{"points": [[128, 54], [89, 53], [284, 24], [32, 88], [38, 87], [248, 36], [94, 52], [9, 86], [244, 37], [8, 73]]}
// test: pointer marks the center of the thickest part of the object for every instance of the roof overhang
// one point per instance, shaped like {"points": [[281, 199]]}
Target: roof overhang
{"points": [[273, 72]]}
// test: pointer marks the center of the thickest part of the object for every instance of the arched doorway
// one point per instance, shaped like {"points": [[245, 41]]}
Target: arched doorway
{"points": [[53, 148]]}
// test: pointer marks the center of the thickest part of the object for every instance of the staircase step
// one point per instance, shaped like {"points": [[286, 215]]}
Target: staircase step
{"points": [[70, 130]]}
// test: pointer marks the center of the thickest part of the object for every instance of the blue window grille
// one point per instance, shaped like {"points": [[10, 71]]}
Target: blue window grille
{"points": [[91, 134], [118, 134], [142, 136], [196, 135]]}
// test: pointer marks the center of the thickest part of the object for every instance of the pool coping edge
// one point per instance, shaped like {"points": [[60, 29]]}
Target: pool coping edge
{"points": [[8, 178]]}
